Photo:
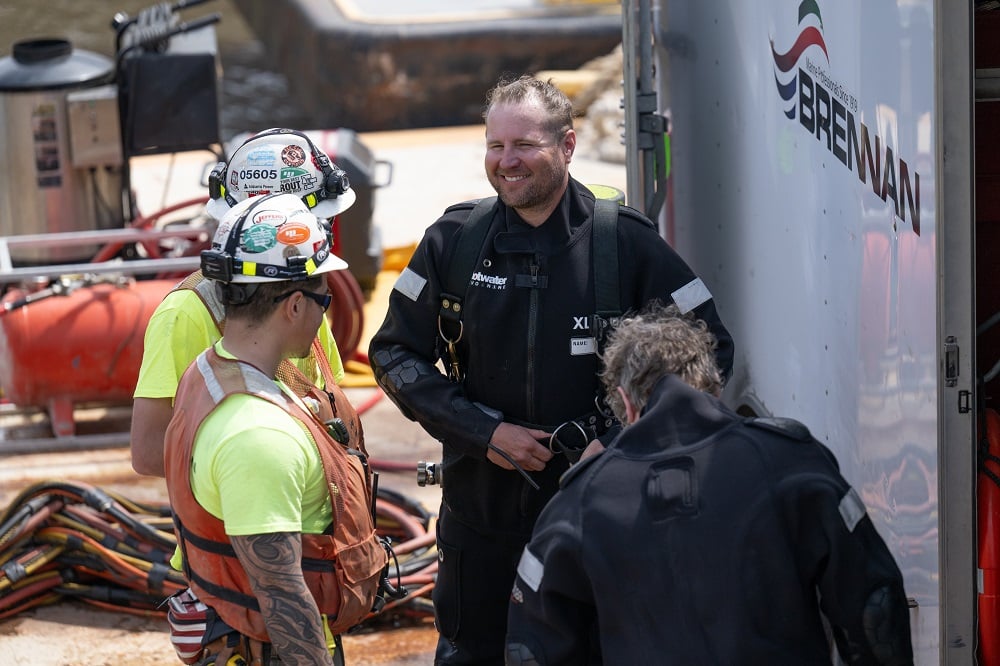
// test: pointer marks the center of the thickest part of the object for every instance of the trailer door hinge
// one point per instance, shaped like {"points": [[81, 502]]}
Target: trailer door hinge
{"points": [[950, 361], [964, 402]]}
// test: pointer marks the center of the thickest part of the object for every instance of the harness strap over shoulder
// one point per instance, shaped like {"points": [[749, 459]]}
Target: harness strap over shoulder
{"points": [[606, 258], [463, 261], [608, 309]]}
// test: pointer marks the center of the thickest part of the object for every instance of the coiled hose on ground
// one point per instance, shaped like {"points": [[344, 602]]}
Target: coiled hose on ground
{"points": [[64, 539]]}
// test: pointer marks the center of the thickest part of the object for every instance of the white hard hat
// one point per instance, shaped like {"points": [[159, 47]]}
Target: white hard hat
{"points": [[270, 238], [280, 160]]}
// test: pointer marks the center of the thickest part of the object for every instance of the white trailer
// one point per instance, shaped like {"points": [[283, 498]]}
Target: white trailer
{"points": [[823, 184]]}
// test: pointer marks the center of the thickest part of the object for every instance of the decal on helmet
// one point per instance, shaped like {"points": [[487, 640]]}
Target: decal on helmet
{"points": [[293, 155], [261, 157], [258, 238], [293, 233], [297, 180], [221, 233]]}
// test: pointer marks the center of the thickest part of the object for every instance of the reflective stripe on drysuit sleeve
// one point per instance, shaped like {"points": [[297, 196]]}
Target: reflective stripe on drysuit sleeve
{"points": [[672, 281], [724, 350], [403, 354], [552, 614]]}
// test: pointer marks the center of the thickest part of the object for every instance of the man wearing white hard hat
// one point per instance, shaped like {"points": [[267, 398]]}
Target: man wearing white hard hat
{"points": [[191, 318], [267, 492], [280, 160]]}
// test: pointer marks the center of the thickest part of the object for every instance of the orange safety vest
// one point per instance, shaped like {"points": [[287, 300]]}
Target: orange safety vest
{"points": [[341, 568], [332, 402]]}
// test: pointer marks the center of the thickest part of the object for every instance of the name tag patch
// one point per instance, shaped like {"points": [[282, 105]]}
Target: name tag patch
{"points": [[582, 346]]}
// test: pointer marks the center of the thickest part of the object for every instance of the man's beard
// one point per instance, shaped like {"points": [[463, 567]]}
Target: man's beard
{"points": [[538, 192]]}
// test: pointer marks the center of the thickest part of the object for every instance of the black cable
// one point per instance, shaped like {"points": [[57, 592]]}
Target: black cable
{"points": [[506, 457]]}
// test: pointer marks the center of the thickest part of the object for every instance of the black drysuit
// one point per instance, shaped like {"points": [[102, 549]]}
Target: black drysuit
{"points": [[701, 537], [529, 358]]}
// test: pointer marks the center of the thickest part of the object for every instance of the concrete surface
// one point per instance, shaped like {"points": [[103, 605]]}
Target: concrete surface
{"points": [[431, 169]]}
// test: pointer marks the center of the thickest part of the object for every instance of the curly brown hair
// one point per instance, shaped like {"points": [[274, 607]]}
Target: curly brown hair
{"points": [[658, 341]]}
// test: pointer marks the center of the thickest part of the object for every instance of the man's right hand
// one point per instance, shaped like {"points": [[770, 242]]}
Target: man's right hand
{"points": [[522, 445]]}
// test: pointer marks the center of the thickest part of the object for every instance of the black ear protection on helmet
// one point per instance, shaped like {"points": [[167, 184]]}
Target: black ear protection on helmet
{"points": [[335, 180]]}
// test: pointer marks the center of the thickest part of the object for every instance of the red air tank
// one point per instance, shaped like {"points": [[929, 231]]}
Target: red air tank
{"points": [[82, 347]]}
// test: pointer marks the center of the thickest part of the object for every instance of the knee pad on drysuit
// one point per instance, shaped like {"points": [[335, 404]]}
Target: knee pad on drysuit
{"points": [[886, 624]]}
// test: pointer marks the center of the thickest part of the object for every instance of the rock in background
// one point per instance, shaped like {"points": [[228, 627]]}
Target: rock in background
{"points": [[596, 92]]}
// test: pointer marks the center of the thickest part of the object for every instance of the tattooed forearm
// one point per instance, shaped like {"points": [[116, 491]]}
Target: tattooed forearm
{"points": [[273, 563]]}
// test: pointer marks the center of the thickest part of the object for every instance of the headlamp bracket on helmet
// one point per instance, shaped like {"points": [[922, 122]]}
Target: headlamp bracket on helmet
{"points": [[335, 180], [217, 181], [217, 265]]}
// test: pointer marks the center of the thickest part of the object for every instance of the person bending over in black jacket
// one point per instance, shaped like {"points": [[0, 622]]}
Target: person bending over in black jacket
{"points": [[700, 536]]}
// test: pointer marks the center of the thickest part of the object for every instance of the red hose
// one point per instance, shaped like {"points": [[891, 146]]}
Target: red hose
{"points": [[144, 222], [370, 402], [347, 314], [11, 604]]}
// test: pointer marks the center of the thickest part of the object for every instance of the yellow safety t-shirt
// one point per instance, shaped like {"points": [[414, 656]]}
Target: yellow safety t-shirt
{"points": [[181, 328]]}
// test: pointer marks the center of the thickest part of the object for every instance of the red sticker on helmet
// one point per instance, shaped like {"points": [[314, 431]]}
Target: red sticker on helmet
{"points": [[293, 155], [293, 233]]}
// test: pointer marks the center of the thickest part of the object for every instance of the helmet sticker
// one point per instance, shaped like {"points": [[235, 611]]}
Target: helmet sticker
{"points": [[234, 181], [262, 157], [258, 238], [293, 233], [221, 232], [293, 155], [297, 180], [273, 217], [288, 173]]}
